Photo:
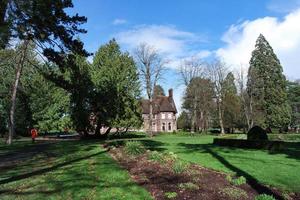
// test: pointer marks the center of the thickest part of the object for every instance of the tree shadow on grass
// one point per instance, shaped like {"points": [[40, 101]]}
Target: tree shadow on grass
{"points": [[258, 187], [291, 149], [45, 170]]}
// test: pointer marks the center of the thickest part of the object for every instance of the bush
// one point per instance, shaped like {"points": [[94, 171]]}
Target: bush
{"points": [[171, 195], [134, 148], [257, 133], [239, 181], [264, 197], [179, 166]]}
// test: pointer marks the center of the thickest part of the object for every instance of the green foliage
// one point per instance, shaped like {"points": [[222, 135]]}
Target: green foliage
{"points": [[266, 87], [184, 121], [171, 195], [116, 87], [179, 166], [198, 100], [156, 156], [188, 186], [44, 21], [49, 105], [264, 197], [134, 148], [294, 101], [170, 156], [236, 181], [231, 102], [234, 193], [23, 113]]}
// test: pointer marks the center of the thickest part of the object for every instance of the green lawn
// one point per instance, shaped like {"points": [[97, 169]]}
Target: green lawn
{"points": [[64, 170], [280, 169]]}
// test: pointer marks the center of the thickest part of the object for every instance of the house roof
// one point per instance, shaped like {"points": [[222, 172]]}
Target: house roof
{"points": [[160, 104]]}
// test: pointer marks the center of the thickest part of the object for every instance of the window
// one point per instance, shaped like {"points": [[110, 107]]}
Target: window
{"points": [[169, 116], [164, 126], [169, 126], [163, 115]]}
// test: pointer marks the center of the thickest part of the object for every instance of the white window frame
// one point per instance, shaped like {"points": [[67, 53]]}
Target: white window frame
{"points": [[163, 116]]}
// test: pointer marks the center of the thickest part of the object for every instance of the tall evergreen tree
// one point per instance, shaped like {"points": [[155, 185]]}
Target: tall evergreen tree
{"points": [[198, 101], [266, 87], [231, 102], [116, 85], [294, 101]]}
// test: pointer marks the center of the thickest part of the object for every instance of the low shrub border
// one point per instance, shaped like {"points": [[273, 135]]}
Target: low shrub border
{"points": [[250, 144]]}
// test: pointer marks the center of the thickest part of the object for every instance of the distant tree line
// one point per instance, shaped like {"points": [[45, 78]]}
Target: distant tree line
{"points": [[217, 98]]}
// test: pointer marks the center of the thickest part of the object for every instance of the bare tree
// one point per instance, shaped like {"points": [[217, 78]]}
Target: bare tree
{"points": [[217, 73], [190, 69], [151, 66]]}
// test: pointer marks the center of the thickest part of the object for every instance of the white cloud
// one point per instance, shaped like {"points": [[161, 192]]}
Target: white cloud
{"points": [[174, 44], [119, 21], [283, 36], [283, 6]]}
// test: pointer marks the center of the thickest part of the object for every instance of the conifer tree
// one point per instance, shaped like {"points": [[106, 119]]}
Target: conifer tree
{"points": [[231, 102], [266, 87]]}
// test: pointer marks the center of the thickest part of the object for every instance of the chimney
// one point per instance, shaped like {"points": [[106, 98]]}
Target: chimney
{"points": [[171, 92]]}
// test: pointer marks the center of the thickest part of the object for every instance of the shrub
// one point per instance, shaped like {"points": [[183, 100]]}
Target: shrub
{"points": [[134, 148], [238, 181], [257, 133], [264, 197], [234, 193], [189, 186], [179, 166], [156, 156], [171, 195], [170, 156]]}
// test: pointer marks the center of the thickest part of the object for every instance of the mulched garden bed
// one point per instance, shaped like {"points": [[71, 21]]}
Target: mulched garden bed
{"points": [[195, 182]]}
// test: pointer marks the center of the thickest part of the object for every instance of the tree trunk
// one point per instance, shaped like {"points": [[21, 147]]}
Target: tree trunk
{"points": [[19, 69], [98, 128], [250, 123], [194, 117], [150, 117], [220, 117]]}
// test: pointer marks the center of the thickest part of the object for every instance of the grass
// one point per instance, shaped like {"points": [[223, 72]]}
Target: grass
{"points": [[65, 170], [270, 168]]}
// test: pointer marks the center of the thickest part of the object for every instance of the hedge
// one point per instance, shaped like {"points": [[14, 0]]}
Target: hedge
{"points": [[250, 144]]}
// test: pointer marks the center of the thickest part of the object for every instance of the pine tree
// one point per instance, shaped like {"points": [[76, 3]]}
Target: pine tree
{"points": [[266, 87]]}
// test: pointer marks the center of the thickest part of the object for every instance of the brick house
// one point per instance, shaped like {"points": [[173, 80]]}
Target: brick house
{"points": [[164, 114]]}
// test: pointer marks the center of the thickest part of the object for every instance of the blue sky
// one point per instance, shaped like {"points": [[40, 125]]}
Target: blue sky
{"points": [[206, 28]]}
